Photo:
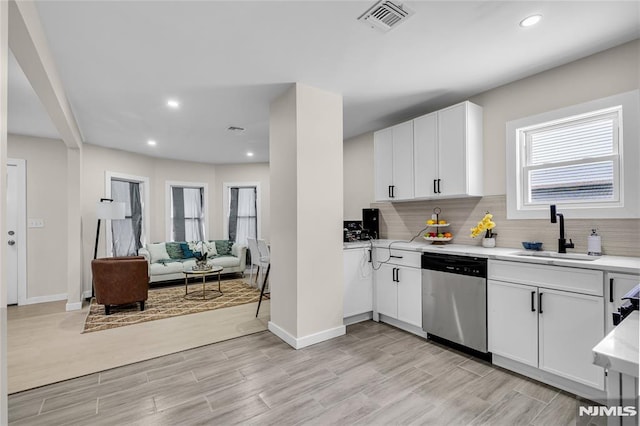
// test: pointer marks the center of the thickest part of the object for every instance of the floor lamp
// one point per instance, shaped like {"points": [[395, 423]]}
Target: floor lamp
{"points": [[109, 210]]}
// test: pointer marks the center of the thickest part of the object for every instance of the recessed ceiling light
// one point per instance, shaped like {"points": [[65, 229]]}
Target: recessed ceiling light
{"points": [[249, 154], [151, 142], [172, 103], [530, 21]]}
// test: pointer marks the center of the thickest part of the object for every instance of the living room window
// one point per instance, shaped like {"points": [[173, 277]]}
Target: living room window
{"points": [[242, 213], [128, 234], [574, 158], [187, 211]]}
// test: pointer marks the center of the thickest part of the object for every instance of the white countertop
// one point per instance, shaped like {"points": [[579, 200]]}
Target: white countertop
{"points": [[619, 350], [623, 264], [356, 245]]}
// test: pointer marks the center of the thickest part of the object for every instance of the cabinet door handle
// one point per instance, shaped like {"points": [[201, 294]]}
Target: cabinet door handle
{"points": [[438, 186], [393, 275], [370, 256], [435, 189], [393, 191], [611, 290], [540, 303], [389, 191], [396, 257], [533, 296], [397, 275]]}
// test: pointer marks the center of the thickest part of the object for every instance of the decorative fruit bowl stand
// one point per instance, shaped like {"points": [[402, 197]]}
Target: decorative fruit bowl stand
{"points": [[437, 237]]}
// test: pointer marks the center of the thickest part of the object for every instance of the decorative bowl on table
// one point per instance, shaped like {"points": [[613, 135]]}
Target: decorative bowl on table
{"points": [[532, 245]]}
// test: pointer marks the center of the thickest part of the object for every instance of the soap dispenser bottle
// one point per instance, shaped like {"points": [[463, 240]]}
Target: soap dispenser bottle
{"points": [[594, 244]]}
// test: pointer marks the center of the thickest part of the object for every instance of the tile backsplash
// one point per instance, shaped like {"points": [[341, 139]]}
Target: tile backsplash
{"points": [[402, 221]]}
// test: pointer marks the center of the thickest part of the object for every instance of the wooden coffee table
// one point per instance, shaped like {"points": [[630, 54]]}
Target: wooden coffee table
{"points": [[204, 273]]}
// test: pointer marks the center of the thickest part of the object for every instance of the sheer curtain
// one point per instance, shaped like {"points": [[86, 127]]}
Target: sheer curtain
{"points": [[127, 233], [243, 218], [187, 206]]}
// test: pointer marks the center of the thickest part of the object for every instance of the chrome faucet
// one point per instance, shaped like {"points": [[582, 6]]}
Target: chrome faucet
{"points": [[562, 242]]}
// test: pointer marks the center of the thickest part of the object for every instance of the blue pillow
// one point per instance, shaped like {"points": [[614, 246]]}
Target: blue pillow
{"points": [[186, 251]]}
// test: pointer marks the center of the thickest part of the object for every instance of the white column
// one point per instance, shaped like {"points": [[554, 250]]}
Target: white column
{"points": [[4, 47], [306, 277], [74, 229]]}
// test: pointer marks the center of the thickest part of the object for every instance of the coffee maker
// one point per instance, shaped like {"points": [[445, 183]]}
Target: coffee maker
{"points": [[370, 224]]}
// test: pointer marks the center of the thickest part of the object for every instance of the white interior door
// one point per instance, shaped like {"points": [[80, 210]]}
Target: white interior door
{"points": [[16, 232], [12, 234]]}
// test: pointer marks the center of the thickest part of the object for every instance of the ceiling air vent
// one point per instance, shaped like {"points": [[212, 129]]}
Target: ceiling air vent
{"points": [[385, 15]]}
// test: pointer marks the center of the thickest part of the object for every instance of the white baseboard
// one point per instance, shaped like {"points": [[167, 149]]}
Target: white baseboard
{"points": [[311, 339], [44, 299], [353, 319], [75, 306], [86, 294]]}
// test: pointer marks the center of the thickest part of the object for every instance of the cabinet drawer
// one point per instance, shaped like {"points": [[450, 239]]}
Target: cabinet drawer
{"points": [[398, 257], [577, 280]]}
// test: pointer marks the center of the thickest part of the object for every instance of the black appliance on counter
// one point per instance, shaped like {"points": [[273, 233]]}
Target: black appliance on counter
{"points": [[352, 231], [631, 302], [362, 230], [370, 223]]}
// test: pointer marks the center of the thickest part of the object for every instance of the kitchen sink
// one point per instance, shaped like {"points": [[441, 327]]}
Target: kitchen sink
{"points": [[554, 255]]}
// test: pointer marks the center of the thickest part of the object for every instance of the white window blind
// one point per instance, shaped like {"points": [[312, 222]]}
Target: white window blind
{"points": [[572, 161]]}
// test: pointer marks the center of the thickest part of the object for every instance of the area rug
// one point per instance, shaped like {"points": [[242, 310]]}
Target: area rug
{"points": [[170, 302]]}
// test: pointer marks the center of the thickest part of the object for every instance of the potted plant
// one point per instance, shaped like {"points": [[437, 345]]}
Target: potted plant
{"points": [[486, 226]]}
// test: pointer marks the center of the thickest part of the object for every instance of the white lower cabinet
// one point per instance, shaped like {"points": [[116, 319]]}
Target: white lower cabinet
{"points": [[513, 321], [386, 291], [410, 296], [358, 282], [570, 325], [399, 290], [546, 328]]}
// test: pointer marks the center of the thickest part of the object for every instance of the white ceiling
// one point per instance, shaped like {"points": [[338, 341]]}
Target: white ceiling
{"points": [[226, 61]]}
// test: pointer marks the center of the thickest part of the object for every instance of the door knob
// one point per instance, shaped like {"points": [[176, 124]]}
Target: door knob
{"points": [[11, 242]]}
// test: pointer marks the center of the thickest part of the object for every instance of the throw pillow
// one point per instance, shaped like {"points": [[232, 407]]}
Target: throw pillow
{"points": [[223, 247], [157, 252], [210, 248], [174, 250], [186, 251]]}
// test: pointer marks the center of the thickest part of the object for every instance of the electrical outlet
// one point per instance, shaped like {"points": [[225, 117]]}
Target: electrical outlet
{"points": [[35, 223]]}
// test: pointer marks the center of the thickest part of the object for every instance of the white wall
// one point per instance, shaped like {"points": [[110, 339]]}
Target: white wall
{"points": [[606, 73], [358, 175], [47, 195], [46, 163]]}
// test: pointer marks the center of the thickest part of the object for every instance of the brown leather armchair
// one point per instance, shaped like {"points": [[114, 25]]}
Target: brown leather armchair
{"points": [[120, 280]]}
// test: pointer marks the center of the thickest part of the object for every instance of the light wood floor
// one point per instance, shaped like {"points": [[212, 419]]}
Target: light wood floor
{"points": [[45, 344], [375, 374]]}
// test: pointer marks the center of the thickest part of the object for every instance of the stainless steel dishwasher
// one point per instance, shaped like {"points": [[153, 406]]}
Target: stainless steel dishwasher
{"points": [[454, 299]]}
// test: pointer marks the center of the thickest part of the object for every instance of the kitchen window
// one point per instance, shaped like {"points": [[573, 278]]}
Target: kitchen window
{"points": [[574, 158]]}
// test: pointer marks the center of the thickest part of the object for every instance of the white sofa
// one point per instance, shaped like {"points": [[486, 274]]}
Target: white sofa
{"points": [[172, 269]]}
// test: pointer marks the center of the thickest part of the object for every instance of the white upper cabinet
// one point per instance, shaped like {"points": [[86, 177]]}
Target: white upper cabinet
{"points": [[448, 152], [393, 156]]}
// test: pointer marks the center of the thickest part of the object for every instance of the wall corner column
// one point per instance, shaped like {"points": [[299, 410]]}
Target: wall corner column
{"points": [[74, 229], [306, 155]]}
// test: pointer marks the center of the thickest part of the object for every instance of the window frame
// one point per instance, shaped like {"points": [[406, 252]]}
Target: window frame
{"points": [[625, 169], [168, 206], [146, 217], [226, 186]]}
